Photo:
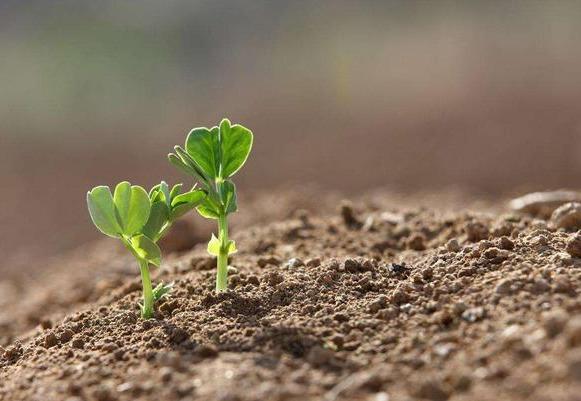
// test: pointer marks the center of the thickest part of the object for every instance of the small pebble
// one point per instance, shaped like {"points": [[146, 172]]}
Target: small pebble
{"points": [[476, 231], [377, 304], [294, 263], [473, 314], [348, 215], [574, 246], [567, 216], [50, 340], [254, 280], [341, 317], [491, 253], [543, 203], [453, 245], [232, 270], [506, 243], [78, 343], [504, 287], [13, 352], [66, 336], [352, 265]]}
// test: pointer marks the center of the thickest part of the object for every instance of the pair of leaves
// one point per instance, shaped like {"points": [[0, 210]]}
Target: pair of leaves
{"points": [[137, 218], [219, 152], [213, 156], [122, 214]]}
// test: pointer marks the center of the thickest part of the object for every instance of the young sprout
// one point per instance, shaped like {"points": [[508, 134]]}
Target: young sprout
{"points": [[139, 220], [212, 156]]}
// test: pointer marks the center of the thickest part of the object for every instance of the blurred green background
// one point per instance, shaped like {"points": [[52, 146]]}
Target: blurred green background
{"points": [[348, 95]]}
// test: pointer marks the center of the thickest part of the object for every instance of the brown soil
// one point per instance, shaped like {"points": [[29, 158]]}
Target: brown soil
{"points": [[368, 302]]}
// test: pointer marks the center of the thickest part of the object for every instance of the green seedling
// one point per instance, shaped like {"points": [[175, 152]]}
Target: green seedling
{"points": [[212, 156], [139, 220]]}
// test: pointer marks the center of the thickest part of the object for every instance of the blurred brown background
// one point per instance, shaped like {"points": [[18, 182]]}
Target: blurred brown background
{"points": [[349, 95]]}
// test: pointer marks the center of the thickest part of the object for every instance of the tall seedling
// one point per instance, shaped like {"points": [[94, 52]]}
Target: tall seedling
{"points": [[212, 156]]}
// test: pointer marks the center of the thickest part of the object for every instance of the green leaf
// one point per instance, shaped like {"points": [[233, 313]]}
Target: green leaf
{"points": [[132, 205], [161, 291], [236, 144], [228, 196], [164, 189], [146, 249], [194, 196], [183, 203], [208, 208], [153, 191], [214, 246], [175, 191], [232, 247], [179, 163], [158, 218], [102, 211], [195, 169], [202, 145]]}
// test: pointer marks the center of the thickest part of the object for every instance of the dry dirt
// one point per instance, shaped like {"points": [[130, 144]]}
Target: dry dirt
{"points": [[380, 300]]}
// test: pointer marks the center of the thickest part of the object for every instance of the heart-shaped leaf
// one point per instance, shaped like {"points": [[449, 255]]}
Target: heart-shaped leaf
{"points": [[146, 249], [102, 211], [202, 145], [132, 205], [236, 144]]}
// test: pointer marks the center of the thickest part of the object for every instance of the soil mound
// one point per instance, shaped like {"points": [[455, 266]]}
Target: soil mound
{"points": [[369, 303]]}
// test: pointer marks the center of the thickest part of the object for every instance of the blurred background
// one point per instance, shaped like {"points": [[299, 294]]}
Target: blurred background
{"points": [[347, 95]]}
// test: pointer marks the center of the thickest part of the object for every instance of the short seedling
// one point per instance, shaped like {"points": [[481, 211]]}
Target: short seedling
{"points": [[212, 156], [139, 220]]}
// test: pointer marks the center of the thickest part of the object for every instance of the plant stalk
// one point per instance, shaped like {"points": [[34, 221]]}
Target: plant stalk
{"points": [[147, 308], [222, 271]]}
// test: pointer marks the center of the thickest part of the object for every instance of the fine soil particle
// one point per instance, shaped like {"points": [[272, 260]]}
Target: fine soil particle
{"points": [[368, 303]]}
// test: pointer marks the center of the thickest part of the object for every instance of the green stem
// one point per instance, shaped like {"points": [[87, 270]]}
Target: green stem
{"points": [[222, 271], [147, 309]]}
